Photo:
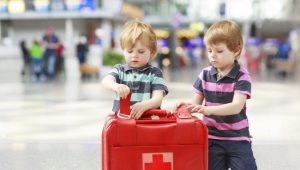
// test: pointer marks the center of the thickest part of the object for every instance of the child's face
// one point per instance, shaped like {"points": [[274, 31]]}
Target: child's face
{"points": [[220, 56], [137, 56]]}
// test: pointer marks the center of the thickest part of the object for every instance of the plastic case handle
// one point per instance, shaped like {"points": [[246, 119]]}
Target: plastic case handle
{"points": [[183, 112], [157, 112], [156, 116], [124, 111]]}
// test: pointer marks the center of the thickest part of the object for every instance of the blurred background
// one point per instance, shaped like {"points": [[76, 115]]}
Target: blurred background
{"points": [[53, 54]]}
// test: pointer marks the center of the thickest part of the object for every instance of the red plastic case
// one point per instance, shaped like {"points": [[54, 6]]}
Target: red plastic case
{"points": [[164, 143]]}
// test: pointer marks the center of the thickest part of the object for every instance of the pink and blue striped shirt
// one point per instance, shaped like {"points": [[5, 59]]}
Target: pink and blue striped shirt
{"points": [[217, 92]]}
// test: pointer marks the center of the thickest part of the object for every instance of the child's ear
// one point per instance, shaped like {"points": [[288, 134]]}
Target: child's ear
{"points": [[237, 51], [152, 53]]}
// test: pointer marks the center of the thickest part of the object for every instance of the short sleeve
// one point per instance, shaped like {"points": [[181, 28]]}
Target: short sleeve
{"points": [[243, 85], [115, 71], [158, 82], [198, 87]]}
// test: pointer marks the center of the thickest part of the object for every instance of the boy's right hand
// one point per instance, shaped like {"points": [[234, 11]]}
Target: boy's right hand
{"points": [[122, 90]]}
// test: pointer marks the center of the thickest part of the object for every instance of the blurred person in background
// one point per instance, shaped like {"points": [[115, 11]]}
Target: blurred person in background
{"points": [[221, 91], [269, 50], [36, 53], [253, 55], [59, 66], [190, 54], [282, 57], [50, 43], [82, 49], [25, 58]]}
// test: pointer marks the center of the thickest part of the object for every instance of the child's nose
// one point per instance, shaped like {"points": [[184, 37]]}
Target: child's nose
{"points": [[134, 54], [213, 55]]}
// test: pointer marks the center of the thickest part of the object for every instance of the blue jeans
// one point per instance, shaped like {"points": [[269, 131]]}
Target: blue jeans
{"points": [[36, 65], [51, 61], [236, 155]]}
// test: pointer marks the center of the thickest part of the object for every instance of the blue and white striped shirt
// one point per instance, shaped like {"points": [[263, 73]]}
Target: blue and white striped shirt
{"points": [[141, 81]]}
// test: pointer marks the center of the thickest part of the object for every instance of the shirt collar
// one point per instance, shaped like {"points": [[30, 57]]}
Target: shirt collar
{"points": [[145, 67], [233, 72]]}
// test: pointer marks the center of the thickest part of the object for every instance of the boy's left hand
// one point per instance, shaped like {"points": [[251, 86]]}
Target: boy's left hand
{"points": [[137, 110]]}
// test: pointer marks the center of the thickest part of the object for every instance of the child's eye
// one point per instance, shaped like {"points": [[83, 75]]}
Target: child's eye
{"points": [[141, 52], [129, 51], [219, 51]]}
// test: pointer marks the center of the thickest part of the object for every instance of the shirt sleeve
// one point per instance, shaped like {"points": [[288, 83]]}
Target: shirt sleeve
{"points": [[115, 71], [198, 87], [243, 85], [158, 82]]}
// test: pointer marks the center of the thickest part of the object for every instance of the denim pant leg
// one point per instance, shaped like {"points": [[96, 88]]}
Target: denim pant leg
{"points": [[240, 156], [236, 155], [216, 155], [37, 66], [51, 65]]}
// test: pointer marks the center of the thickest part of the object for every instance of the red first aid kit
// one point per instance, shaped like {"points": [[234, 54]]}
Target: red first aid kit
{"points": [[157, 141]]}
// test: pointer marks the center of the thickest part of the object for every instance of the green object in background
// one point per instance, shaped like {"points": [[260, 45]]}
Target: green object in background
{"points": [[111, 58]]}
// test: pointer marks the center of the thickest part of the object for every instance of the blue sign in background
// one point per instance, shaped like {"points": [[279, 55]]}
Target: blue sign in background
{"points": [[88, 5]]}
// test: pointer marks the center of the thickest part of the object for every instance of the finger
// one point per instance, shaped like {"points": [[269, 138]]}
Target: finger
{"points": [[138, 115], [201, 110], [124, 92], [194, 110], [133, 113], [119, 92], [127, 89], [190, 106], [123, 95]]}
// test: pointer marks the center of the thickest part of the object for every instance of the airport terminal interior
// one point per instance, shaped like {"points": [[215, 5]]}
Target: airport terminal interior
{"points": [[54, 120]]}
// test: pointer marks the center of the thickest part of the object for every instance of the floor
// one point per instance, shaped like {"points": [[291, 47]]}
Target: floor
{"points": [[57, 125]]}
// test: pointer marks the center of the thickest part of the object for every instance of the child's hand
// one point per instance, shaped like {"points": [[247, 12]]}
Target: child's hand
{"points": [[177, 105], [122, 90], [195, 108], [137, 110]]}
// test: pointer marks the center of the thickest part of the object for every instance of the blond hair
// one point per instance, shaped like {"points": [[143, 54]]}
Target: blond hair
{"points": [[227, 32], [134, 31]]}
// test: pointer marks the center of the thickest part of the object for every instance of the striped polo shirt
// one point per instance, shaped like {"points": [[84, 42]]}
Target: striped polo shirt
{"points": [[141, 81], [218, 92]]}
